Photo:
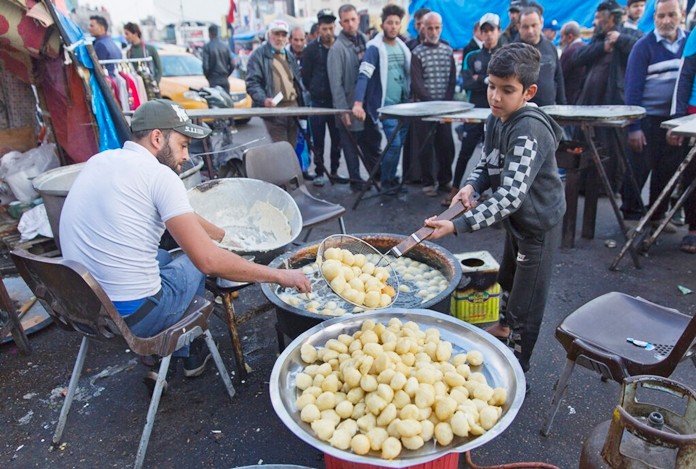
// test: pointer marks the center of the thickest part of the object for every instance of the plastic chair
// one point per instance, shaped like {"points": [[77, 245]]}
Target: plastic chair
{"points": [[76, 302], [277, 163], [594, 336]]}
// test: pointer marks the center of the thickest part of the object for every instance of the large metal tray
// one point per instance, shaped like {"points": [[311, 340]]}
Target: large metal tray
{"points": [[615, 112], [424, 109], [501, 368]]}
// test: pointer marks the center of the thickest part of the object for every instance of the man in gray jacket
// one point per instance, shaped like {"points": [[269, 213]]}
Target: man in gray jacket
{"points": [[343, 64], [217, 60]]}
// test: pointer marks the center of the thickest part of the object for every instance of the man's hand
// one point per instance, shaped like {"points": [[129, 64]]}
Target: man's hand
{"points": [[464, 195], [610, 40], [636, 140], [674, 140], [441, 227], [268, 102], [358, 111], [295, 279], [345, 118]]}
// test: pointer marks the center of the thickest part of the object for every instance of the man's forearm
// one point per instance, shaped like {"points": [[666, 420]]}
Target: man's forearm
{"points": [[213, 231]]}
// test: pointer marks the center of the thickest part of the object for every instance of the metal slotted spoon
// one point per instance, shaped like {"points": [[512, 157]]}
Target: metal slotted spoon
{"points": [[358, 246]]}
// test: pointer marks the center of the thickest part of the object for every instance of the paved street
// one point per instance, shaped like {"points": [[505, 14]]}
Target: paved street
{"points": [[197, 426]]}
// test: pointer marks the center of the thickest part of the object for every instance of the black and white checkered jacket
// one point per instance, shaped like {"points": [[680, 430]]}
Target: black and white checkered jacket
{"points": [[518, 164]]}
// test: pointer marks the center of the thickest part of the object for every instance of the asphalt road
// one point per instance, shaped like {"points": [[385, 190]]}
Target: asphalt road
{"points": [[197, 426]]}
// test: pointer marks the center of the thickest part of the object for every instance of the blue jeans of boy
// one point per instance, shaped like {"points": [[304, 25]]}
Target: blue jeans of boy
{"points": [[390, 161], [181, 281]]}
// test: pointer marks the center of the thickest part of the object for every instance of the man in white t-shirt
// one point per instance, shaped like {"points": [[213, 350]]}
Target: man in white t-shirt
{"points": [[118, 209]]}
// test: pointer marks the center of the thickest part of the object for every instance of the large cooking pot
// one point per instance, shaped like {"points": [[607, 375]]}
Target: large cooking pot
{"points": [[257, 209], [293, 321]]}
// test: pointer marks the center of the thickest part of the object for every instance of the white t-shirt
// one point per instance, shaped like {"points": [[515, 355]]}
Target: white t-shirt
{"points": [[114, 216]]}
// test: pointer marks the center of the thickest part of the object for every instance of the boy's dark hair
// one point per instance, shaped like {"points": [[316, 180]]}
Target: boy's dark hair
{"points": [[392, 10], [518, 60], [100, 20], [420, 13], [314, 28], [133, 29]]}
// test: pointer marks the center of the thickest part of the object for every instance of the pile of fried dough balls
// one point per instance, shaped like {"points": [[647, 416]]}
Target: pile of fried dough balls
{"points": [[385, 388], [357, 280]]}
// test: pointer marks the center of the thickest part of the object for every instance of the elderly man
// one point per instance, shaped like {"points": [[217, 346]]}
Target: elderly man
{"points": [[297, 44], [113, 225], [383, 80], [104, 46], [343, 64], [273, 80], [551, 89], [651, 76], [573, 74], [433, 78]]}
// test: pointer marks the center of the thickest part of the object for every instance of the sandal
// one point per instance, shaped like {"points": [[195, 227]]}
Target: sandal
{"points": [[688, 244]]}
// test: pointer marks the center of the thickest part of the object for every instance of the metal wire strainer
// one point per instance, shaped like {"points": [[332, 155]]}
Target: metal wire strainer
{"points": [[373, 256]]}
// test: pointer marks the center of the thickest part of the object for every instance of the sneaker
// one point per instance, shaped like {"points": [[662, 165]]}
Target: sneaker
{"points": [[679, 219], [199, 355], [339, 179], [307, 176], [319, 181], [430, 191]]}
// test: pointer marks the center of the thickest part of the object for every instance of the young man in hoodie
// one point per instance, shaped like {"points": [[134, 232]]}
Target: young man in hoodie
{"points": [[383, 80], [518, 164]]}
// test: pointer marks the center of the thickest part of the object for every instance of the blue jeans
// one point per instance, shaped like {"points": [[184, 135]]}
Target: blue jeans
{"points": [[390, 161], [181, 281]]}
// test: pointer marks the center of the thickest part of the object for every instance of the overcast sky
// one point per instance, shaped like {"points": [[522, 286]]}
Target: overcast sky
{"points": [[167, 11]]}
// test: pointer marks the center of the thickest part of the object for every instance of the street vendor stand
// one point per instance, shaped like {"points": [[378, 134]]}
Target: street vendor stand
{"points": [[404, 113], [587, 118], [683, 127]]}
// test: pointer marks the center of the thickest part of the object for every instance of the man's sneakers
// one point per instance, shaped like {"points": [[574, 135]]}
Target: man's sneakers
{"points": [[320, 181], [338, 179], [199, 355]]}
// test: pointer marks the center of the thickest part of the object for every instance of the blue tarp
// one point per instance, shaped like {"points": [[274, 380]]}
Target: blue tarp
{"points": [[459, 16]]}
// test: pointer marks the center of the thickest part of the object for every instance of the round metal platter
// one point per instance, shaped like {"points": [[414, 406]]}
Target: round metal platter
{"points": [[500, 367], [568, 112], [425, 108]]}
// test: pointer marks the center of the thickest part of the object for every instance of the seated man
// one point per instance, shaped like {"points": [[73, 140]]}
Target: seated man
{"points": [[117, 211]]}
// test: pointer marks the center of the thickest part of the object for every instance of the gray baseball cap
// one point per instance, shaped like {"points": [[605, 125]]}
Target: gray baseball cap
{"points": [[165, 114]]}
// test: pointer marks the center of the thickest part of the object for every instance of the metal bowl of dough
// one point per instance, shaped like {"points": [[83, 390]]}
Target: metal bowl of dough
{"points": [[264, 218], [500, 367], [292, 321]]}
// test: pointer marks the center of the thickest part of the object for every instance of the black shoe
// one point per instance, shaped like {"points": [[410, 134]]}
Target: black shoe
{"points": [[199, 354], [307, 176], [338, 179]]}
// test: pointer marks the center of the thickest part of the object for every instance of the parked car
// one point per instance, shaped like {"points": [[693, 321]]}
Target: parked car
{"points": [[182, 71]]}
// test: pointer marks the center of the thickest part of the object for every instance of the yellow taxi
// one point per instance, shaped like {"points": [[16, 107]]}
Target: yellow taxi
{"points": [[182, 71]]}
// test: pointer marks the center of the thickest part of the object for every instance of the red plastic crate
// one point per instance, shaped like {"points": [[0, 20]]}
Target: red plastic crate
{"points": [[448, 461]]}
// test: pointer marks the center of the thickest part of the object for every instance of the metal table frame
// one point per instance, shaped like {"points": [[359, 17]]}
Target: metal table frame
{"points": [[684, 127]]}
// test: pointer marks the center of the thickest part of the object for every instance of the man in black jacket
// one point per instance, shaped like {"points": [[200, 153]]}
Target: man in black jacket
{"points": [[217, 60], [315, 78]]}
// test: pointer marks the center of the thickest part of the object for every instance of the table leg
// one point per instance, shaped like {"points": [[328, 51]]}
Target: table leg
{"points": [[572, 190], [234, 334], [629, 167], [589, 215]]}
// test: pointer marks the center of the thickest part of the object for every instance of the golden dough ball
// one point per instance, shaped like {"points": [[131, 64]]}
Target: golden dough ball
{"points": [[389, 290], [324, 429], [382, 273], [453, 379], [373, 284], [445, 408], [424, 397], [478, 377], [395, 323], [345, 339], [430, 349], [375, 404], [401, 399], [499, 397], [303, 381], [331, 415], [475, 358], [357, 284], [337, 345], [488, 417], [313, 390], [352, 377], [359, 298], [368, 383], [444, 351], [304, 400], [440, 389], [382, 361], [367, 325], [340, 439], [360, 444], [324, 369], [409, 411], [357, 271], [368, 268], [367, 422], [369, 337], [459, 394], [386, 376], [338, 284], [459, 359], [388, 336], [411, 386], [427, 374], [359, 260], [373, 349], [483, 392], [377, 437], [331, 384], [332, 254], [385, 392], [412, 442], [384, 300], [372, 299], [364, 277], [355, 395], [310, 413], [308, 353], [403, 288], [344, 409], [427, 430], [348, 425], [326, 400], [366, 362], [331, 269], [359, 410], [391, 448], [408, 359], [408, 427], [387, 415], [398, 381], [443, 433], [392, 428], [460, 424], [464, 370], [348, 273], [348, 257]]}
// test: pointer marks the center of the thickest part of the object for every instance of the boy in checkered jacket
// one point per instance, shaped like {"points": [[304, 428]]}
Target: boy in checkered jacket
{"points": [[518, 164]]}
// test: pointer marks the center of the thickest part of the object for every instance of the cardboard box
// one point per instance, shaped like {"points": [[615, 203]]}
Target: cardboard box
{"points": [[477, 297]]}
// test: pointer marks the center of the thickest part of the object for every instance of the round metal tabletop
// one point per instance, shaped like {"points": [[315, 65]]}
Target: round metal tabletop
{"points": [[423, 109], [610, 113]]}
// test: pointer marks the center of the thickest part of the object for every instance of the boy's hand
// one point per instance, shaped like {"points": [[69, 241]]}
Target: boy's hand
{"points": [[464, 195], [358, 111], [441, 227]]}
